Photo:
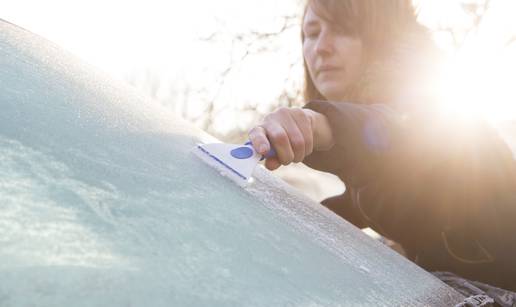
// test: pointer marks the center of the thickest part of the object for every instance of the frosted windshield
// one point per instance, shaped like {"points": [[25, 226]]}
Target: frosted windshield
{"points": [[103, 204]]}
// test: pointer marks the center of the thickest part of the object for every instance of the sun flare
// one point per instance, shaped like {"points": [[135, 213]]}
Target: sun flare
{"points": [[132, 38], [479, 77], [479, 82]]}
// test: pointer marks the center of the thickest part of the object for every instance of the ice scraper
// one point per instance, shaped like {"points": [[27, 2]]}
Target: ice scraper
{"points": [[235, 161]]}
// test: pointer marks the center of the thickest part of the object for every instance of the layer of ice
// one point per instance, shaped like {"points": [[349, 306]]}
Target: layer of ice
{"points": [[102, 204]]}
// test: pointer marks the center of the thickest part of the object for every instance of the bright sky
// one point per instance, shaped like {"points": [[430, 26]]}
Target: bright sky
{"points": [[159, 39], [132, 38], [114, 33], [480, 79]]}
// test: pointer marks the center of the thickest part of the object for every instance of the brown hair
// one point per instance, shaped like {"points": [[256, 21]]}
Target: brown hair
{"points": [[382, 25]]}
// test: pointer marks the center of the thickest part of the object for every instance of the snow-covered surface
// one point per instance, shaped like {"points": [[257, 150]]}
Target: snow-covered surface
{"points": [[103, 204]]}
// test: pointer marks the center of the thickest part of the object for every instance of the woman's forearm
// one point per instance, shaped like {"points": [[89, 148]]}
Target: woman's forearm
{"points": [[322, 133]]}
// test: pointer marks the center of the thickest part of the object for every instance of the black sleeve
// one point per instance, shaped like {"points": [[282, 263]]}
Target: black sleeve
{"points": [[342, 206], [418, 175], [363, 135]]}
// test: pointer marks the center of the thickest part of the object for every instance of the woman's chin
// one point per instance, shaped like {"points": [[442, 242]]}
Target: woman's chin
{"points": [[333, 93]]}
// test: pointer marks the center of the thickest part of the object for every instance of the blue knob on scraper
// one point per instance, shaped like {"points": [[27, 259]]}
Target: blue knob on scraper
{"points": [[234, 161], [243, 152], [271, 153]]}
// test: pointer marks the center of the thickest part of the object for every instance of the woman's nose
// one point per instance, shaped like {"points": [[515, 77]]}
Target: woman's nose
{"points": [[325, 43]]}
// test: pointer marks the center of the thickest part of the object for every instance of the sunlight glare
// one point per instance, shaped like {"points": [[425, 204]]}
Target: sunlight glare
{"points": [[477, 84], [479, 77]]}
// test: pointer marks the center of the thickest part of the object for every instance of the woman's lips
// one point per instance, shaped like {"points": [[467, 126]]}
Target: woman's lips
{"points": [[327, 69]]}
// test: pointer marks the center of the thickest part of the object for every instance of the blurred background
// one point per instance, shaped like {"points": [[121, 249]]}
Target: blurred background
{"points": [[224, 64]]}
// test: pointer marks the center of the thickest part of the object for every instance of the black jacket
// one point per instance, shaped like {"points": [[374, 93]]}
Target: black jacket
{"points": [[444, 189]]}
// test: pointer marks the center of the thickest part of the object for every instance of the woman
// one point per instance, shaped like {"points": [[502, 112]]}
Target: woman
{"points": [[444, 190]]}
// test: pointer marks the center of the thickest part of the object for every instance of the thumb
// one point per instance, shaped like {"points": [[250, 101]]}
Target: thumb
{"points": [[272, 163]]}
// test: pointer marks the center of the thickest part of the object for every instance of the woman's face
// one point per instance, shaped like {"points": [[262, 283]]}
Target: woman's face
{"points": [[332, 55]]}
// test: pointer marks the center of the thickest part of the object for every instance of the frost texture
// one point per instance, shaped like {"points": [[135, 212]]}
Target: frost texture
{"points": [[103, 204]]}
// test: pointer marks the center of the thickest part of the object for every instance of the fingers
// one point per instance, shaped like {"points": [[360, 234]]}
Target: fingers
{"points": [[258, 138], [294, 136], [288, 131], [304, 124], [272, 164], [279, 138]]}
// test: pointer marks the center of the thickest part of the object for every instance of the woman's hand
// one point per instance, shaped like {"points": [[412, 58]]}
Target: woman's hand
{"points": [[294, 133]]}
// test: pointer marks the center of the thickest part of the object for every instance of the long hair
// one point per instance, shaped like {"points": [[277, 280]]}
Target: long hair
{"points": [[382, 26]]}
